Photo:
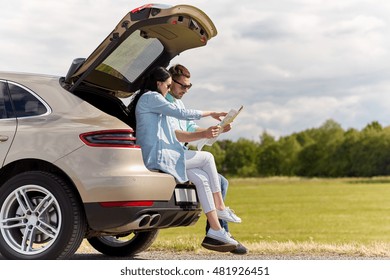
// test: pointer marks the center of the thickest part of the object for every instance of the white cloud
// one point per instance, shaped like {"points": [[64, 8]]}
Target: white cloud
{"points": [[292, 63]]}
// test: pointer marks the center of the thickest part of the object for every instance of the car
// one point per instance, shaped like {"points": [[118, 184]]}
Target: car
{"points": [[70, 165]]}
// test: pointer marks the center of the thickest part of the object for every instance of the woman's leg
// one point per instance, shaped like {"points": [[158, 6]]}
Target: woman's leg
{"points": [[210, 201], [205, 161], [213, 220], [201, 180], [224, 188]]}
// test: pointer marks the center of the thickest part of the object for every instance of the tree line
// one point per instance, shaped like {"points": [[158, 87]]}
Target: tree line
{"points": [[326, 151]]}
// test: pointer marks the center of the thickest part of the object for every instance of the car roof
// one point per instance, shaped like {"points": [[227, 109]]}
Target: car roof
{"points": [[148, 36]]}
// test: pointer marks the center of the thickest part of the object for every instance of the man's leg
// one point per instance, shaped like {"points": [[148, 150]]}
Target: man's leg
{"points": [[224, 189]]}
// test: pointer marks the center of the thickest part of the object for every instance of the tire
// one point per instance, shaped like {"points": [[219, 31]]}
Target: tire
{"points": [[40, 218], [123, 246]]}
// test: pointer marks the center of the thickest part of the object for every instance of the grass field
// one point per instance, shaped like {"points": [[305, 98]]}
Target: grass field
{"points": [[301, 214]]}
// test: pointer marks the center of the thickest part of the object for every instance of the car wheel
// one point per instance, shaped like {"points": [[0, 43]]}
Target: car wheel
{"points": [[122, 246], [40, 218]]}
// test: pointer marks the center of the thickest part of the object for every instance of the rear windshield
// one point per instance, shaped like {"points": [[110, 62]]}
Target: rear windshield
{"points": [[132, 57]]}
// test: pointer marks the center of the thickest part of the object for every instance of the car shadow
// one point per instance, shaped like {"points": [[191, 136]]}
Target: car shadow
{"points": [[97, 256]]}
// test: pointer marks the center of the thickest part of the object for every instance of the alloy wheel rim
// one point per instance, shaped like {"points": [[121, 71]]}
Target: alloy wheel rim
{"points": [[30, 219]]}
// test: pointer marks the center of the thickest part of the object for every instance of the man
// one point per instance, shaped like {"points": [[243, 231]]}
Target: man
{"points": [[192, 132]]}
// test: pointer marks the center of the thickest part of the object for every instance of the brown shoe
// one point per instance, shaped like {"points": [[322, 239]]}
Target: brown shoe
{"points": [[239, 250], [216, 245]]}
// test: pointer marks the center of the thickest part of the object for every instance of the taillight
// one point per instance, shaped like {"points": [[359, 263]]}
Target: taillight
{"points": [[136, 10], [141, 203], [119, 138], [149, 6]]}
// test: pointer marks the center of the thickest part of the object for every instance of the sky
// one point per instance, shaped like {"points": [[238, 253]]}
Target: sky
{"points": [[292, 64]]}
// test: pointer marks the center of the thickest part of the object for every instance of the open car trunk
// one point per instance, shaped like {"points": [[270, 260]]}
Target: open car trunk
{"points": [[147, 37]]}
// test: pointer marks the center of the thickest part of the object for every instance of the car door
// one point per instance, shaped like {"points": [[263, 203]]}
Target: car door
{"points": [[8, 122]]}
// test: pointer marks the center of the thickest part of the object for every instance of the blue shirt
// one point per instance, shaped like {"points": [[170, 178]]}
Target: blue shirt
{"points": [[155, 134], [184, 125]]}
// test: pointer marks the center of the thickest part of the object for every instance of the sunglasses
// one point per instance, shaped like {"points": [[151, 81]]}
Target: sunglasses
{"points": [[183, 86]]}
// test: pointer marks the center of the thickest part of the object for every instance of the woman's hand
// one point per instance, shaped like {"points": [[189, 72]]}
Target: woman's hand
{"points": [[218, 115]]}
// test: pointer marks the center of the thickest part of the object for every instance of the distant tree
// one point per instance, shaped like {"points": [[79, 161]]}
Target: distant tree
{"points": [[269, 160], [240, 159], [219, 149], [326, 151], [370, 154], [289, 150], [315, 159], [373, 126], [219, 155], [342, 158], [266, 139]]}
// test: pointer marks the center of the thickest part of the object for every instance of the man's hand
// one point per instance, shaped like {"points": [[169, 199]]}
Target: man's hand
{"points": [[212, 131], [227, 128]]}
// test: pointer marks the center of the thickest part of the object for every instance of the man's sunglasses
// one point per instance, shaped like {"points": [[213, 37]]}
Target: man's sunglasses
{"points": [[183, 86]]}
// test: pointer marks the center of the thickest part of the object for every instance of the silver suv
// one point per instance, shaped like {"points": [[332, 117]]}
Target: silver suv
{"points": [[70, 168]]}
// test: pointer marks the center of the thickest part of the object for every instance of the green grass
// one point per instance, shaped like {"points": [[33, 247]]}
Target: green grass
{"points": [[352, 212]]}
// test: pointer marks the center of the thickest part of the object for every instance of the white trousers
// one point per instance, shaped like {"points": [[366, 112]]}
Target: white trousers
{"points": [[202, 171]]}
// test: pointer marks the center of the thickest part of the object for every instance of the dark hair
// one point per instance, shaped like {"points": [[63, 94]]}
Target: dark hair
{"points": [[158, 74], [179, 70]]}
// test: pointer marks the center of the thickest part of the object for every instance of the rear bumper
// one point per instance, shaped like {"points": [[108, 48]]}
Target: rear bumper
{"points": [[162, 214]]}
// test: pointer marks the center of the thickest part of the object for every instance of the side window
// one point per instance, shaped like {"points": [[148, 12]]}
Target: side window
{"points": [[5, 105], [25, 103], [3, 112]]}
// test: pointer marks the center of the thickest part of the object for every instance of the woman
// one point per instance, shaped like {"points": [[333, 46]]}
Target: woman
{"points": [[162, 151]]}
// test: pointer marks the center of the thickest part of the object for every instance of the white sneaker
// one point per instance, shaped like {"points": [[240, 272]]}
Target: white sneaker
{"points": [[221, 235], [228, 215]]}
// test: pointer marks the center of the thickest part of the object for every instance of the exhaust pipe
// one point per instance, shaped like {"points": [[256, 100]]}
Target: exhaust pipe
{"points": [[143, 220], [154, 220]]}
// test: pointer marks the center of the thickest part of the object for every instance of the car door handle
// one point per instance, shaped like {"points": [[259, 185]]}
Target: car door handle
{"points": [[3, 138]]}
